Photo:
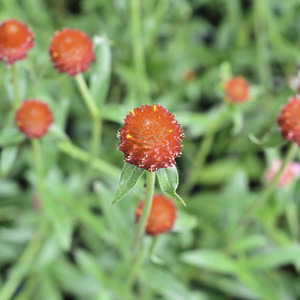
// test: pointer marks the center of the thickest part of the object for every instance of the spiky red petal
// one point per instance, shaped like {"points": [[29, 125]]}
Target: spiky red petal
{"points": [[15, 40], [237, 90], [33, 118], [150, 138], [71, 51], [162, 215], [289, 120]]}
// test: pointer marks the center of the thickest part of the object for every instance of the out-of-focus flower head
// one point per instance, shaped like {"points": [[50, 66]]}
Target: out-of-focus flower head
{"points": [[15, 41], [236, 90], [289, 120], [33, 118], [71, 51], [162, 215]]}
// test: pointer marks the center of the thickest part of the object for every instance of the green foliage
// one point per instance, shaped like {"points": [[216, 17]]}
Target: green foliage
{"points": [[59, 236]]}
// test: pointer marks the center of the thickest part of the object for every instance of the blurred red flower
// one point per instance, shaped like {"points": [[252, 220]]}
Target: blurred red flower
{"points": [[15, 41], [236, 90], [289, 120], [71, 51], [162, 215], [33, 118]]}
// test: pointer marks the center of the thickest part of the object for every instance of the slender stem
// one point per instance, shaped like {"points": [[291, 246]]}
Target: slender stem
{"points": [[37, 153], [292, 218], [264, 196], [202, 154], [95, 114], [86, 95], [138, 51], [134, 269], [140, 231], [28, 289], [98, 164], [16, 86], [23, 265]]}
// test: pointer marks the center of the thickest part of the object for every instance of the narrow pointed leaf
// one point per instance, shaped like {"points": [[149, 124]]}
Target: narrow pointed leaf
{"points": [[7, 159], [58, 215], [168, 181], [272, 139], [129, 177], [100, 79]]}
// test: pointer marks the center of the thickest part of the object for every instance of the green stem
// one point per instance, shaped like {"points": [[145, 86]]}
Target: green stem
{"points": [[68, 148], [86, 96], [140, 231], [138, 52], [292, 218], [96, 120], [202, 154], [23, 265], [261, 39], [37, 153], [16, 87], [28, 289], [264, 196]]}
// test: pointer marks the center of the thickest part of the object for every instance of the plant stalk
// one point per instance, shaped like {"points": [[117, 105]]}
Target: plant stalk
{"points": [[36, 147], [23, 265], [96, 122], [202, 154], [16, 102], [138, 52], [137, 251]]}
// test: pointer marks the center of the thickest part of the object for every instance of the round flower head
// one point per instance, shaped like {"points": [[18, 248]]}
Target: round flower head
{"points": [[162, 215], [289, 120], [236, 90], [33, 118], [71, 51], [150, 138], [15, 40]]}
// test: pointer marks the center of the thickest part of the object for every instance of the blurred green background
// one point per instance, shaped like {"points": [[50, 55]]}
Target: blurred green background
{"points": [[176, 53]]}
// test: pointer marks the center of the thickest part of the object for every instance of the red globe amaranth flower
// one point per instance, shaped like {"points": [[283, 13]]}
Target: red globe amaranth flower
{"points": [[15, 40], [289, 120], [236, 90], [150, 138], [71, 51], [291, 171], [162, 215], [33, 118]]}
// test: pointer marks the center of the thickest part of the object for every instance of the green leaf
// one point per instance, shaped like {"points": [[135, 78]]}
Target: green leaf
{"points": [[225, 71], [7, 159], [10, 135], [275, 258], [237, 119], [185, 222], [129, 177], [210, 260], [272, 139], [58, 215], [100, 79], [114, 113], [168, 181]]}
